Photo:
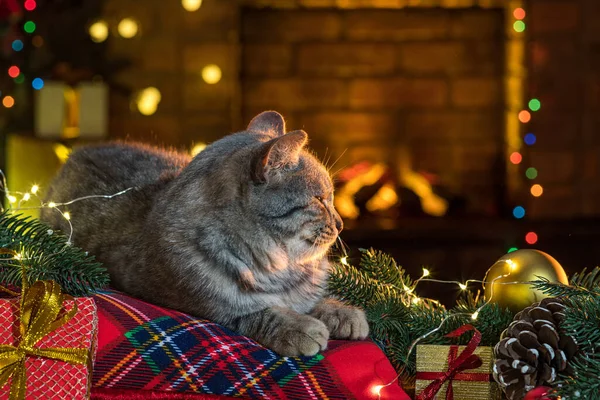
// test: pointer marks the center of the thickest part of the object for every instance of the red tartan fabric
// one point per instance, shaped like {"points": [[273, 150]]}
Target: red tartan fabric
{"points": [[145, 350]]}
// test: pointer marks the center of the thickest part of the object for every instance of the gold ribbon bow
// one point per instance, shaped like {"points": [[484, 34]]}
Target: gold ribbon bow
{"points": [[41, 305]]}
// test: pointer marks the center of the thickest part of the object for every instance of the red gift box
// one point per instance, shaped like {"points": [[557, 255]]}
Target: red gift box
{"points": [[48, 378]]}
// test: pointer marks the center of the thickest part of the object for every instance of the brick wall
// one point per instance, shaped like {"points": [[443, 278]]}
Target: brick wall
{"points": [[371, 81], [372, 75]]}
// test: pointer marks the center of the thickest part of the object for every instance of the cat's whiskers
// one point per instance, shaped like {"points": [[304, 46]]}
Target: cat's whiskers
{"points": [[329, 168], [344, 247]]}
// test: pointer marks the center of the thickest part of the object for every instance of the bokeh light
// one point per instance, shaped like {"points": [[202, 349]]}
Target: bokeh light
{"points": [[534, 104], [524, 116], [37, 83], [211, 74], [531, 173], [530, 139], [519, 26], [98, 31], [17, 45], [531, 238], [147, 100], [127, 28], [518, 212], [519, 13], [30, 5], [14, 71], [191, 5], [516, 158], [537, 190], [29, 27], [8, 101], [20, 78]]}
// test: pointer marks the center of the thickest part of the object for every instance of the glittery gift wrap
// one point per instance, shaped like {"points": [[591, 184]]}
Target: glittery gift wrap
{"points": [[49, 378], [471, 384]]}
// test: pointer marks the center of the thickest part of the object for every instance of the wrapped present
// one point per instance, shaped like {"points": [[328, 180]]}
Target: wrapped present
{"points": [[47, 344], [456, 372], [65, 112]]}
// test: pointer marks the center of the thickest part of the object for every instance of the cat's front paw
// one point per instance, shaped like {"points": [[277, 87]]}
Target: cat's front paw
{"points": [[343, 322], [301, 336]]}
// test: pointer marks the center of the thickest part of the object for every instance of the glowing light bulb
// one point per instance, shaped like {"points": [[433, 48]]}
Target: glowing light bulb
{"points": [[34, 189], [425, 272], [11, 198], [98, 31], [462, 286], [191, 5], [416, 300], [18, 256], [511, 264], [26, 196], [407, 289], [67, 215], [344, 260], [377, 390], [211, 74], [475, 315], [52, 204], [127, 28]]}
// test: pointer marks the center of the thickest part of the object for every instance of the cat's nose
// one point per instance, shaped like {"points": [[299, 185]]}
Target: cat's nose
{"points": [[339, 224]]}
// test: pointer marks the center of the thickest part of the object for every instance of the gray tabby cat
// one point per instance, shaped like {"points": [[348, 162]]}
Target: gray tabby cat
{"points": [[238, 235]]}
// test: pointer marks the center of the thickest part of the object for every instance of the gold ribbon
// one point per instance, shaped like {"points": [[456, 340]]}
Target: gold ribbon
{"points": [[41, 305]]}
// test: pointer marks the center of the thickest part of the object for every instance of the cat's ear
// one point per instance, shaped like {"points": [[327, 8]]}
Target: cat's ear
{"points": [[269, 122], [276, 154]]}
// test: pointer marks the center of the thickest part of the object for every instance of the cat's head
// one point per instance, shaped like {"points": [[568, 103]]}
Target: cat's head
{"points": [[290, 190]]}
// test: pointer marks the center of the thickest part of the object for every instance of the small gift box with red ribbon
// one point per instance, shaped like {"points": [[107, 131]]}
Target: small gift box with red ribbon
{"points": [[456, 372], [47, 344]]}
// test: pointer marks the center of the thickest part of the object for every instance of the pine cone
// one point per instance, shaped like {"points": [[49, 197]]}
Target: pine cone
{"points": [[533, 349]]}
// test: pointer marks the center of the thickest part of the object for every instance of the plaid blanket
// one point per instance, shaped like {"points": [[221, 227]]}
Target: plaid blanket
{"points": [[143, 347]]}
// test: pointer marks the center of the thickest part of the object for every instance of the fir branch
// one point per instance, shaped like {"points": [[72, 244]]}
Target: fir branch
{"points": [[46, 255], [582, 321], [555, 289], [589, 280], [584, 382], [491, 321], [383, 268]]}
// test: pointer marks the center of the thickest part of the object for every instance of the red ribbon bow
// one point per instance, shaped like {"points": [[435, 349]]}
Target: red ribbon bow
{"points": [[466, 360]]}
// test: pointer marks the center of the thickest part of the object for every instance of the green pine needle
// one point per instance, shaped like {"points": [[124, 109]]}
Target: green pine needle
{"points": [[379, 285], [46, 255]]}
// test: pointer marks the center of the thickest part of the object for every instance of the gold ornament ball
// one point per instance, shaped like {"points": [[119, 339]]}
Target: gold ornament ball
{"points": [[523, 265]]}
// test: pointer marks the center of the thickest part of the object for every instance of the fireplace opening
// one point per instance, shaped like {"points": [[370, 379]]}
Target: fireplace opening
{"points": [[406, 106]]}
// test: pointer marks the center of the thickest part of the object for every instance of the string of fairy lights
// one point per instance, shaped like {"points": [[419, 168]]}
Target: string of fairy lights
{"points": [[409, 296], [21, 200], [529, 139], [18, 201]]}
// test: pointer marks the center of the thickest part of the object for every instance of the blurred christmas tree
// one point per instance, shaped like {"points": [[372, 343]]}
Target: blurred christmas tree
{"points": [[48, 40]]}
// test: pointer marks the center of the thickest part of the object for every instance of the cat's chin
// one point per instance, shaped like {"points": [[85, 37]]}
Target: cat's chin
{"points": [[306, 251]]}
